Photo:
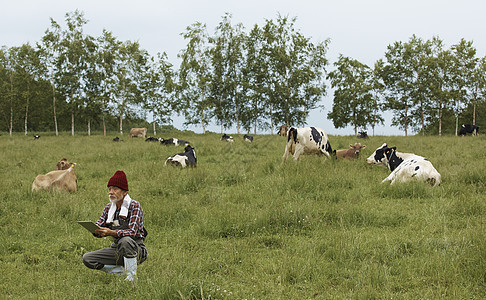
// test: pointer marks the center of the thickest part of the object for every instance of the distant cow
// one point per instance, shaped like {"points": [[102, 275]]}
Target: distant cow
{"points": [[63, 178], [362, 135], [248, 138], [173, 141], [152, 139], [227, 138], [404, 166], [138, 132], [36, 137], [188, 158], [352, 152], [306, 140], [117, 139], [282, 131], [468, 128]]}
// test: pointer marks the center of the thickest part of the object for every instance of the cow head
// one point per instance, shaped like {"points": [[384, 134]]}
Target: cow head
{"points": [[381, 155], [63, 164], [357, 148]]}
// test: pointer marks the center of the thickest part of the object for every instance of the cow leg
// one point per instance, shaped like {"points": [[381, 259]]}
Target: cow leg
{"points": [[299, 149]]}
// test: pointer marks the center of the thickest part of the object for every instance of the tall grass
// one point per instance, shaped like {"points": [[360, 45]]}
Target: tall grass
{"points": [[242, 225]]}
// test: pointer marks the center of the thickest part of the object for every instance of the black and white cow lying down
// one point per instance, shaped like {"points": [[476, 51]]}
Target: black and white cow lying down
{"points": [[306, 140], [248, 138], [404, 166], [188, 158], [227, 138], [173, 141]]}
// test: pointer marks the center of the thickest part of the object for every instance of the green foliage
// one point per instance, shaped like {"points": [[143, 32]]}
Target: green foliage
{"points": [[244, 225]]}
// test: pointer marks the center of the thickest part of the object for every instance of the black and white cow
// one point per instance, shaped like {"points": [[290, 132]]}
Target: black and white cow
{"points": [[227, 138], [468, 128], [173, 141], [36, 137], [404, 166], [187, 158], [117, 139], [248, 138], [306, 140]]}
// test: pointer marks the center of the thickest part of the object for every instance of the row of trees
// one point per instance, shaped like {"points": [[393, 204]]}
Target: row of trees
{"points": [[259, 79], [419, 81], [269, 76]]}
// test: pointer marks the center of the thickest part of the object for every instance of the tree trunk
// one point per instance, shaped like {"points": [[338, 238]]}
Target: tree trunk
{"points": [[72, 123], [406, 119], [153, 121], [11, 105], [121, 123], [54, 107], [26, 116], [89, 127], [440, 120], [457, 116]]}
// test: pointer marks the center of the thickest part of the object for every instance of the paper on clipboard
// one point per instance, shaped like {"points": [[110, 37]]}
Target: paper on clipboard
{"points": [[89, 225]]}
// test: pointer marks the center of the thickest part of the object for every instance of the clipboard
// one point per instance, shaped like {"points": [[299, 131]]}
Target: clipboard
{"points": [[90, 226]]}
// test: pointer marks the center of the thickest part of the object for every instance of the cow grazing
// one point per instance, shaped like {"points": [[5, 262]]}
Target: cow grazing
{"points": [[36, 137], [362, 135], [404, 166], [138, 132], [152, 139], [63, 179], [282, 131], [248, 138], [468, 128], [227, 138], [173, 141], [352, 152], [188, 158], [306, 140]]}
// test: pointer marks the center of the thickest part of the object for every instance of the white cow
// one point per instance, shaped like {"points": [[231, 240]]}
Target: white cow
{"points": [[404, 166], [306, 140], [188, 158]]}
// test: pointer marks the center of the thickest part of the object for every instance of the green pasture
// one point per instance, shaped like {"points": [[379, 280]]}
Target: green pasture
{"points": [[242, 225]]}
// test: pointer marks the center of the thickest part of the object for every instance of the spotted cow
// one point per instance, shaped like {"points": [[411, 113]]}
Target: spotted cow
{"points": [[306, 140], [187, 158], [404, 166]]}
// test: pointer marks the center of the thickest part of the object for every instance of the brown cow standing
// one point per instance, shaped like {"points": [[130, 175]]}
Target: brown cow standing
{"points": [[63, 179], [138, 132], [282, 131], [352, 152]]}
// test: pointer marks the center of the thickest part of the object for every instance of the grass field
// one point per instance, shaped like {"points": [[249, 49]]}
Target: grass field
{"points": [[242, 225]]}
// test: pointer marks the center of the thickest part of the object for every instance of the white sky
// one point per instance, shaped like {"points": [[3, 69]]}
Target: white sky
{"points": [[361, 29]]}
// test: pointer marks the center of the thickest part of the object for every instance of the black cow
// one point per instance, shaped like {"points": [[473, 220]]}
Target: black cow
{"points": [[362, 135], [151, 139], [117, 139], [248, 138], [227, 138], [188, 158], [469, 128]]}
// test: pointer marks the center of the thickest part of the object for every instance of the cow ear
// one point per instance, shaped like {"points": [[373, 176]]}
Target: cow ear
{"points": [[364, 146], [351, 145]]}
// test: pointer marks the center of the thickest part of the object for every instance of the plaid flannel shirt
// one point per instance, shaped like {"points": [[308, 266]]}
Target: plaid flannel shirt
{"points": [[135, 223]]}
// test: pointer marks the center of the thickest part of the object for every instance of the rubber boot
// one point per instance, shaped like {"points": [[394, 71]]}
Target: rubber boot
{"points": [[113, 269], [130, 268]]}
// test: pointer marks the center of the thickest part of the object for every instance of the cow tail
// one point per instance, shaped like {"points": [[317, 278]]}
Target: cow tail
{"points": [[292, 135], [329, 149]]}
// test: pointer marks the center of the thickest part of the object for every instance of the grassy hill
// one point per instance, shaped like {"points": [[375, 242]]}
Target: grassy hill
{"points": [[242, 225]]}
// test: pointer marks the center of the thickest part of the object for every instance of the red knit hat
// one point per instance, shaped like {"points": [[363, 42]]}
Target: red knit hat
{"points": [[119, 180]]}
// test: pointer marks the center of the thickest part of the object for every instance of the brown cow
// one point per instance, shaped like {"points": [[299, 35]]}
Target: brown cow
{"points": [[282, 131], [63, 179], [138, 132], [352, 152]]}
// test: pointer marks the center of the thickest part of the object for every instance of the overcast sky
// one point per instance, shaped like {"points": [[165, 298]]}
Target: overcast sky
{"points": [[360, 29]]}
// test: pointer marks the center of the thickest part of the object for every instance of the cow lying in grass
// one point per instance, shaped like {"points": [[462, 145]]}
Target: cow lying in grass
{"points": [[63, 179], [404, 166], [188, 158], [227, 138], [173, 141], [306, 140], [352, 152]]}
